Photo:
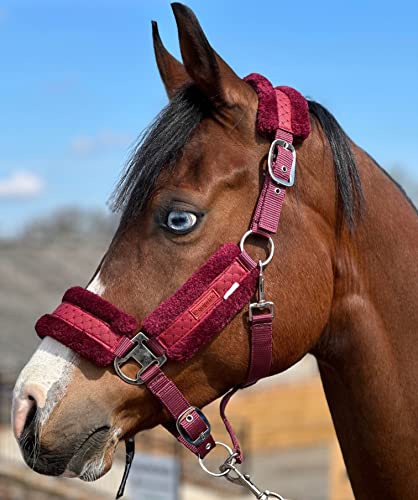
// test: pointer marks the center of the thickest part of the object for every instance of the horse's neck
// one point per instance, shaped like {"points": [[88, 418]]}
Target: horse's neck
{"points": [[368, 356]]}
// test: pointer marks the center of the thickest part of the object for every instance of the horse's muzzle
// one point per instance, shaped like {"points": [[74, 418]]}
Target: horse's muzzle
{"points": [[70, 457], [39, 458]]}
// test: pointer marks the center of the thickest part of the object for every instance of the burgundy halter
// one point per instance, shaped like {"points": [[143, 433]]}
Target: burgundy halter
{"points": [[206, 303]]}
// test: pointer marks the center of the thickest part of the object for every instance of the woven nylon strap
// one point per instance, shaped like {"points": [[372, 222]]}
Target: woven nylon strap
{"points": [[191, 420], [270, 202], [265, 222]]}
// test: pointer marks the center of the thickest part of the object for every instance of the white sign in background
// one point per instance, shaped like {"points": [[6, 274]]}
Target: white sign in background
{"points": [[154, 477]]}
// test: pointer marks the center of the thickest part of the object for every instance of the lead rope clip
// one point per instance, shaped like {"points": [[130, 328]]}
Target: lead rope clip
{"points": [[235, 476], [231, 472], [261, 303]]}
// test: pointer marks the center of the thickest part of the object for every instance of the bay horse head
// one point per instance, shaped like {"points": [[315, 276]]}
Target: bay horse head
{"points": [[192, 185]]}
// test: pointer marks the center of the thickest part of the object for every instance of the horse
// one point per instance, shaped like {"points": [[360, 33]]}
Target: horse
{"points": [[344, 282]]}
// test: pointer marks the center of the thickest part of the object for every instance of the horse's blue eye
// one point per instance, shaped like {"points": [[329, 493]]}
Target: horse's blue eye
{"points": [[181, 222]]}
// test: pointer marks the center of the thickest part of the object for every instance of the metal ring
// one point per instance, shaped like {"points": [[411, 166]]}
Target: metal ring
{"points": [[217, 474], [271, 247]]}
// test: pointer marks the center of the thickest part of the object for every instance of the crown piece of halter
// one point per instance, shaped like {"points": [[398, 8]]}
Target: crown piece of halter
{"points": [[204, 304]]}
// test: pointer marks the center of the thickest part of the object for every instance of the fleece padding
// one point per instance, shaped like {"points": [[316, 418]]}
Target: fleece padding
{"points": [[88, 324], [190, 331], [96, 329], [267, 114], [215, 322], [119, 321], [161, 318], [77, 340]]}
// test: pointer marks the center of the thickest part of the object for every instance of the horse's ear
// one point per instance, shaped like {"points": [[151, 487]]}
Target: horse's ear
{"points": [[221, 85], [173, 74]]}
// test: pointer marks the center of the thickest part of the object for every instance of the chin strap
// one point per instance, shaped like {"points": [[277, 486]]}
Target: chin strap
{"points": [[129, 457]]}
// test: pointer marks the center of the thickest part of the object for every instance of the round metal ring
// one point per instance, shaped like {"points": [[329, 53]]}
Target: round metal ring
{"points": [[217, 474], [271, 246]]}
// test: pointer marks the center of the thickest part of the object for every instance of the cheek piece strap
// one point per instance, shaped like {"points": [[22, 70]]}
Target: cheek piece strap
{"points": [[207, 301]]}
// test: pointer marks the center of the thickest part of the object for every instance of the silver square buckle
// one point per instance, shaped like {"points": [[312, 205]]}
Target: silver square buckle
{"points": [[142, 355], [187, 415], [265, 304], [286, 145]]}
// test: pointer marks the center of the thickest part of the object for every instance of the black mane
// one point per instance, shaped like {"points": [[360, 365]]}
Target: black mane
{"points": [[161, 144], [349, 191], [158, 148]]}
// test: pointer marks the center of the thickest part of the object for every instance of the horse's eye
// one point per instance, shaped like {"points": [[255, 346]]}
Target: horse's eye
{"points": [[180, 222]]}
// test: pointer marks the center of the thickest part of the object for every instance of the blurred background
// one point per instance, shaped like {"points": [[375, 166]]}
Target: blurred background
{"points": [[78, 83]]}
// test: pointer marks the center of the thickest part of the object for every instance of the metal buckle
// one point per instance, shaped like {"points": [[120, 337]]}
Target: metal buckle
{"points": [[260, 305], [290, 147], [142, 355], [188, 414]]}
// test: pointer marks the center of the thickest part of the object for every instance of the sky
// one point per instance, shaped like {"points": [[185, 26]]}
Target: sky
{"points": [[78, 83]]}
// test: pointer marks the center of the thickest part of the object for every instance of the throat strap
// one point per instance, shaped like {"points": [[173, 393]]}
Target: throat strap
{"points": [[276, 116], [261, 348]]}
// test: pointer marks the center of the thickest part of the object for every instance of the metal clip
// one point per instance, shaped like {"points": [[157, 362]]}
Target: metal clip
{"points": [[261, 289], [235, 476], [262, 302]]}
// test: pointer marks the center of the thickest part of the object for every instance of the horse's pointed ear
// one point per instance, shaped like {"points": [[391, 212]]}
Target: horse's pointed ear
{"points": [[173, 74], [207, 69]]}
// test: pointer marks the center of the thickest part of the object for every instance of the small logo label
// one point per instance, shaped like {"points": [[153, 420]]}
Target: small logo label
{"points": [[204, 304]]}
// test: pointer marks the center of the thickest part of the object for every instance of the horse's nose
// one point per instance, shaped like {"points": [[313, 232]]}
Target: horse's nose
{"points": [[25, 405]]}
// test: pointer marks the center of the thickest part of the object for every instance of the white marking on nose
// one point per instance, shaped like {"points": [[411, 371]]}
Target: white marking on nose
{"points": [[43, 380], [97, 286], [46, 376]]}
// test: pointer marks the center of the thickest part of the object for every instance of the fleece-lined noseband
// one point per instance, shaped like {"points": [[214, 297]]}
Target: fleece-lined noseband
{"points": [[206, 303]]}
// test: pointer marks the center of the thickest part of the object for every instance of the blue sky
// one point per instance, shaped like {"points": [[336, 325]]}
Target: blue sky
{"points": [[79, 82]]}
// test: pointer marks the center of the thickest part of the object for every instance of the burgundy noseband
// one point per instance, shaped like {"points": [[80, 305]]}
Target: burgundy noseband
{"points": [[206, 303]]}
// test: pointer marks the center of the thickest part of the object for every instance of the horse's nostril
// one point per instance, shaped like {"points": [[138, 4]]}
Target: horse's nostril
{"points": [[25, 407], [25, 426], [31, 414]]}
